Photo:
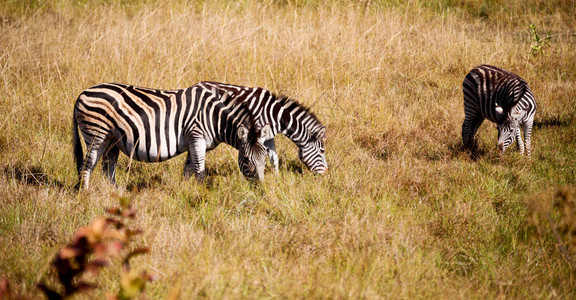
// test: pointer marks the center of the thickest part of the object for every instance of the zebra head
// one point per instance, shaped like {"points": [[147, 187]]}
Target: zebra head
{"points": [[311, 152], [252, 152], [508, 123]]}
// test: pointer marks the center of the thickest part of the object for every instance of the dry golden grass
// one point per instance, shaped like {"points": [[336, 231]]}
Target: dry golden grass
{"points": [[402, 212]]}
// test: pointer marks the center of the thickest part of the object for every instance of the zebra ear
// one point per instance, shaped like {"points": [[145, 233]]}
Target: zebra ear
{"points": [[264, 131], [499, 109], [243, 133]]}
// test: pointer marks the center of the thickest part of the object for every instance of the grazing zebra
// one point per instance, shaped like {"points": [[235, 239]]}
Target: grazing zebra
{"points": [[154, 125], [286, 116], [503, 98]]}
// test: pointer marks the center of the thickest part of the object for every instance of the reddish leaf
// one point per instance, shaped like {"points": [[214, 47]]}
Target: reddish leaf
{"points": [[69, 252], [135, 252], [133, 232], [81, 233], [99, 224], [129, 212], [138, 251], [114, 210], [119, 235], [83, 286], [117, 224], [150, 276], [111, 297], [94, 266], [4, 289]]}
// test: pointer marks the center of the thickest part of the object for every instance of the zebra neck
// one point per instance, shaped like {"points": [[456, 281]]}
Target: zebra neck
{"points": [[228, 131], [295, 125]]}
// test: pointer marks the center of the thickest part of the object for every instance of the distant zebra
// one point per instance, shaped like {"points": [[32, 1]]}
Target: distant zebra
{"points": [[285, 116], [152, 125], [503, 98]]}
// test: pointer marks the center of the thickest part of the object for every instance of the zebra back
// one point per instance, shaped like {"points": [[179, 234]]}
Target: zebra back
{"points": [[503, 98], [153, 125], [487, 87], [148, 122], [285, 115], [222, 115]]}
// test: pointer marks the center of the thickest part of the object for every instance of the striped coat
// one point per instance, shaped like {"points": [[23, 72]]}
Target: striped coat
{"points": [[503, 98], [153, 125], [285, 116]]}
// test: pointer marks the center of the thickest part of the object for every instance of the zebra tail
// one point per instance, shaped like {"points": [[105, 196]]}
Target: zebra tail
{"points": [[78, 155]]}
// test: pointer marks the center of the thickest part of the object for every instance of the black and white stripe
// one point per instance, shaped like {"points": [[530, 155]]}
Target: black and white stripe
{"points": [[285, 116], [503, 98], [153, 125]]}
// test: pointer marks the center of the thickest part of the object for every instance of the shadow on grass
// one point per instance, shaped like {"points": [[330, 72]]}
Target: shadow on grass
{"points": [[553, 121], [140, 184], [457, 150], [31, 175], [213, 177], [222, 170], [215, 173], [382, 145], [294, 166]]}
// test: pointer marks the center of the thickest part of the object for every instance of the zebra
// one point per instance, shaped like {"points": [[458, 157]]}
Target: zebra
{"points": [[503, 98], [285, 116], [152, 125]]}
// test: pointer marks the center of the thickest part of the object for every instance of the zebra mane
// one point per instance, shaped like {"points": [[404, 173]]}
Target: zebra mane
{"points": [[250, 121], [291, 105], [287, 101]]}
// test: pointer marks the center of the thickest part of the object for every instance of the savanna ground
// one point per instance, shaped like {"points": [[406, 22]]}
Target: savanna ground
{"points": [[402, 212]]}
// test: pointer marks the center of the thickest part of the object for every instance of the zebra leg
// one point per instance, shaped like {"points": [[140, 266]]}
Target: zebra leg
{"points": [[469, 129], [95, 148], [519, 143], [109, 161], [188, 166], [272, 155], [195, 161], [527, 128]]}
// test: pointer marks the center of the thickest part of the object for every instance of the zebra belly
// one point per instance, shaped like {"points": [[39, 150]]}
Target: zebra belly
{"points": [[140, 152], [142, 155]]}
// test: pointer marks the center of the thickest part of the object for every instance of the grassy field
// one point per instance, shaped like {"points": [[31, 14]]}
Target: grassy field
{"points": [[402, 211]]}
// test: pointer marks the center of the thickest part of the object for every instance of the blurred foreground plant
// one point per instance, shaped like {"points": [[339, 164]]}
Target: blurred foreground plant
{"points": [[92, 248], [555, 216]]}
